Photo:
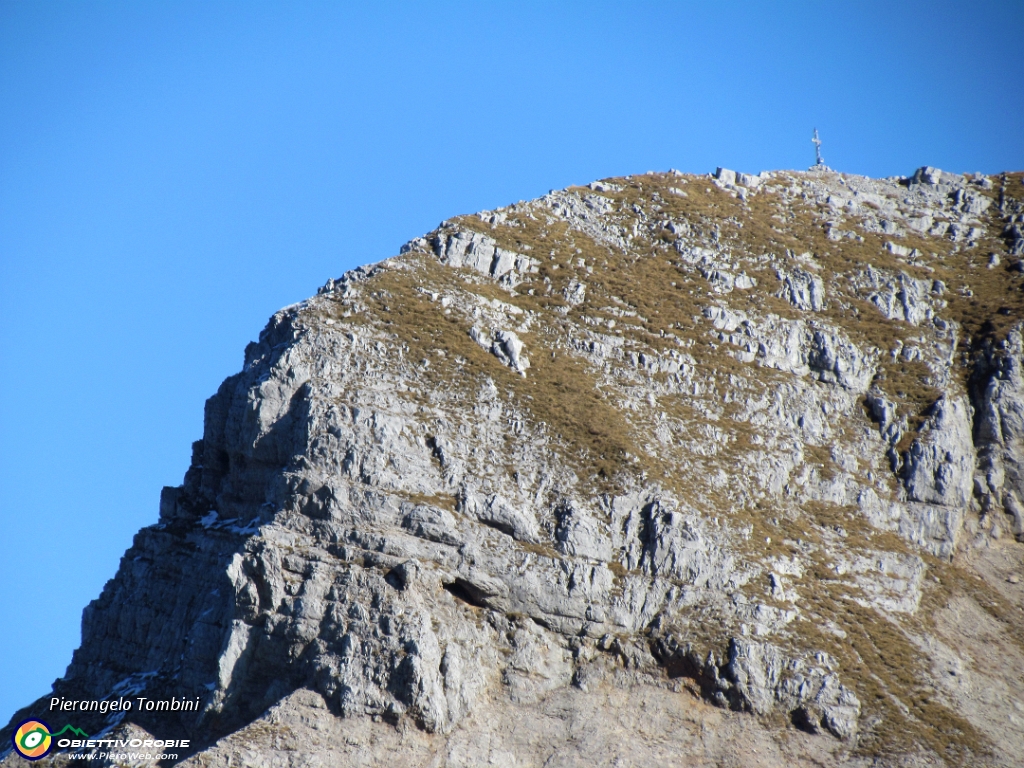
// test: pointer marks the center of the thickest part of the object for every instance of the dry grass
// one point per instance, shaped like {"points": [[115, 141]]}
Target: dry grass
{"points": [[656, 303], [560, 393]]}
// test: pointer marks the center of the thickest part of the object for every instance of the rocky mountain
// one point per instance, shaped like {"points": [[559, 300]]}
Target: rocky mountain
{"points": [[718, 470]]}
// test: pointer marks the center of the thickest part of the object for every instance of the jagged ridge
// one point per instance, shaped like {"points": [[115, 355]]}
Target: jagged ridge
{"points": [[755, 437]]}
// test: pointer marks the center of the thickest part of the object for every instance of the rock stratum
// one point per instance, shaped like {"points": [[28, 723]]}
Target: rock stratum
{"points": [[665, 470]]}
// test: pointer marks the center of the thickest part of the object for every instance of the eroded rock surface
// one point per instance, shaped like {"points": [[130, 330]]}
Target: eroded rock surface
{"points": [[667, 465]]}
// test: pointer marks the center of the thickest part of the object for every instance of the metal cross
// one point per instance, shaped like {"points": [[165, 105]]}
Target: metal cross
{"points": [[817, 148]]}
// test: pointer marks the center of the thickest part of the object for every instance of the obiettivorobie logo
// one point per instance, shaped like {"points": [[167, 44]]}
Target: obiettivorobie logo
{"points": [[33, 739]]}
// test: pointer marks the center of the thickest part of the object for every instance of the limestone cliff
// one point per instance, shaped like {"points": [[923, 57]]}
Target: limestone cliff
{"points": [[668, 469]]}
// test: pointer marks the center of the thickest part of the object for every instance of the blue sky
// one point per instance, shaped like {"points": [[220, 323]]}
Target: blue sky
{"points": [[173, 173]]}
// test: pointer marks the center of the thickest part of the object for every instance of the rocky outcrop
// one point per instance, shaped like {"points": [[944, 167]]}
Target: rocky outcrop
{"points": [[716, 445], [756, 677], [937, 472], [999, 431]]}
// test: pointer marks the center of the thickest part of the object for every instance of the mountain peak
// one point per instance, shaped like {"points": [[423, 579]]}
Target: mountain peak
{"points": [[724, 465]]}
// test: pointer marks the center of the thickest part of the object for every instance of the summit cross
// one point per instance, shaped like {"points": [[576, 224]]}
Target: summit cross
{"points": [[817, 149]]}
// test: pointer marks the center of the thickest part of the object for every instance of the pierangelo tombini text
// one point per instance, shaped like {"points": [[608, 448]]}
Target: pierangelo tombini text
{"points": [[59, 704]]}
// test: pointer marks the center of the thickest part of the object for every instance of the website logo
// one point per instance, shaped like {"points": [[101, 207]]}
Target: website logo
{"points": [[33, 739]]}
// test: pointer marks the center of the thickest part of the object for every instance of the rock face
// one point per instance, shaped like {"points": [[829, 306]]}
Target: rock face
{"points": [[589, 478]]}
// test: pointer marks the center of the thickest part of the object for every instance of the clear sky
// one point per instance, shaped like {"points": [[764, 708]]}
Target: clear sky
{"points": [[171, 173]]}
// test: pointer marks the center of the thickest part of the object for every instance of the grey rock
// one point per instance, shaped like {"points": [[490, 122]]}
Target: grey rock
{"points": [[939, 466], [998, 396], [575, 292], [900, 297], [725, 176], [480, 252], [504, 345], [403, 550], [802, 289], [749, 180]]}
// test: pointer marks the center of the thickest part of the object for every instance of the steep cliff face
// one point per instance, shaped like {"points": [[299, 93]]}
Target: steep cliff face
{"points": [[726, 468]]}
